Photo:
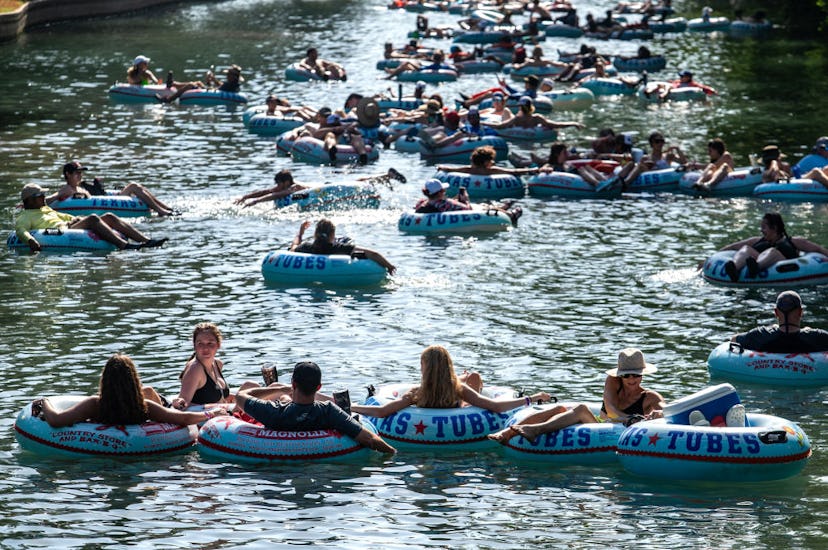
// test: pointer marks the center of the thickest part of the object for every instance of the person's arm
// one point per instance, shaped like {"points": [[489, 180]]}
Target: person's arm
{"points": [[193, 378], [159, 413], [377, 257], [381, 411], [297, 240], [270, 393], [253, 195], [478, 400], [653, 405], [79, 412], [21, 228], [807, 246], [611, 386], [677, 155], [151, 77], [464, 168], [272, 196], [373, 441]]}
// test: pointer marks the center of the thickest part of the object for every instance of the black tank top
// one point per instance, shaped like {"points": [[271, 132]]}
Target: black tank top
{"points": [[209, 392]]}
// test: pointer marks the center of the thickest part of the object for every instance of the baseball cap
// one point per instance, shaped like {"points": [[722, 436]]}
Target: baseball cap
{"points": [[685, 72], [324, 111], [140, 59], [31, 190], [525, 100], [333, 119], [72, 167], [821, 143], [434, 186]]}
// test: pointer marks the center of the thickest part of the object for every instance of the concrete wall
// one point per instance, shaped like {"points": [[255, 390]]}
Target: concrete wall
{"points": [[39, 12]]}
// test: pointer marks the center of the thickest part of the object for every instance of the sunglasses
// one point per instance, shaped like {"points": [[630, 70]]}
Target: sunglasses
{"points": [[658, 141], [631, 375]]}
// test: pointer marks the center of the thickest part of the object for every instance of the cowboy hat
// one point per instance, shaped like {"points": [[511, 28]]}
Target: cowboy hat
{"points": [[368, 112], [631, 361]]}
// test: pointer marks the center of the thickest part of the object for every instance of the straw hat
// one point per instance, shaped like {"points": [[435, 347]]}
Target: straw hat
{"points": [[368, 112], [631, 361]]}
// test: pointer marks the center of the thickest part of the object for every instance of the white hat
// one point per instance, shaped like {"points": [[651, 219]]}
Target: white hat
{"points": [[548, 82], [434, 186], [420, 85], [631, 361], [140, 59]]}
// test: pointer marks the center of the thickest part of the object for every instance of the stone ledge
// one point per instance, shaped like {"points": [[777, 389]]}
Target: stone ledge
{"points": [[40, 12]]}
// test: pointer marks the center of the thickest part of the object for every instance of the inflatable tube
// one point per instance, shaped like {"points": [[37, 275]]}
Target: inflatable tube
{"points": [[542, 103], [674, 24], [800, 190], [493, 186], [65, 240], [750, 28], [537, 134], [409, 144], [575, 98], [649, 92], [407, 103], [478, 220], [807, 270], [481, 37], [229, 438], [564, 184], [461, 150], [311, 150], [122, 205], [710, 25], [559, 30], [624, 34], [477, 66], [770, 448], [333, 196], [739, 182], [284, 267], [607, 86], [605, 166], [540, 72], [298, 74], [730, 360], [426, 75], [593, 443], [127, 93], [272, 125], [94, 439], [656, 181], [250, 112], [636, 65], [212, 97], [416, 428]]}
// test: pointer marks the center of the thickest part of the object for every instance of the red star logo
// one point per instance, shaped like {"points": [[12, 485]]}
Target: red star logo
{"points": [[654, 439], [420, 427]]}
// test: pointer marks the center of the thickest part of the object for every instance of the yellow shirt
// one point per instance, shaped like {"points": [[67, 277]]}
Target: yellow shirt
{"points": [[42, 218]]}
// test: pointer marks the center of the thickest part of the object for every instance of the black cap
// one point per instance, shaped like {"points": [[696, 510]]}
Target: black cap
{"points": [[788, 301], [72, 167]]}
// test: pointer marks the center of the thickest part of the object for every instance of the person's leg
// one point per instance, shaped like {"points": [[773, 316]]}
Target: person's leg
{"points": [[580, 414], [503, 436], [141, 192], [152, 395], [116, 223], [590, 175], [101, 229], [769, 257], [818, 175], [719, 174], [473, 380]]}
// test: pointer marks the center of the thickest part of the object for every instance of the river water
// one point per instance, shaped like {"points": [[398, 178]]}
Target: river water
{"points": [[545, 306]]}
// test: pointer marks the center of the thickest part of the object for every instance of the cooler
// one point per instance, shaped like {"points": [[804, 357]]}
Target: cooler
{"points": [[712, 402]]}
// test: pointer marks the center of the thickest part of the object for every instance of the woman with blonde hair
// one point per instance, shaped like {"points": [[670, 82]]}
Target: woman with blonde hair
{"points": [[121, 400], [441, 388]]}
